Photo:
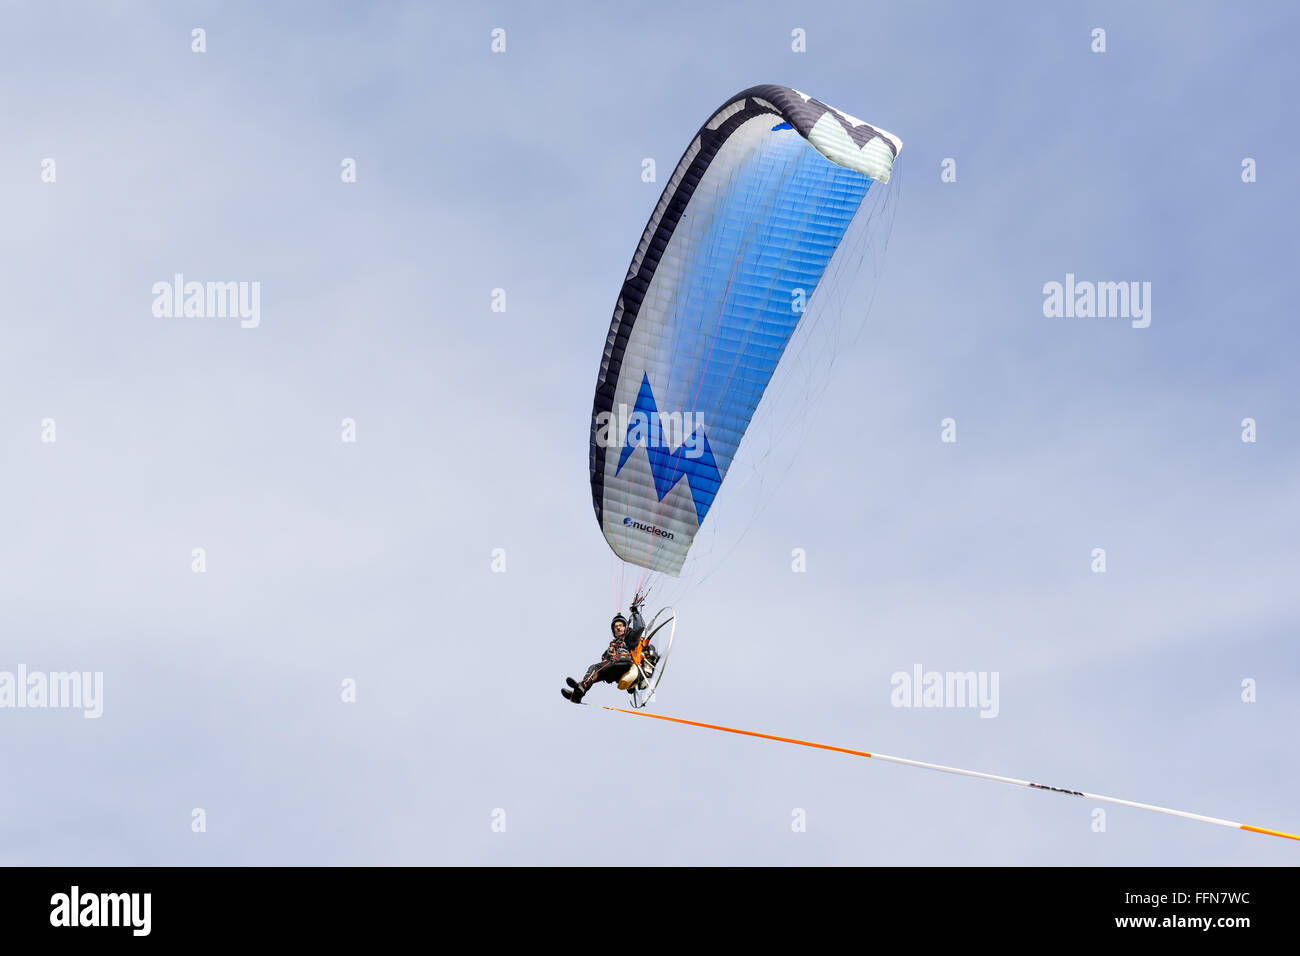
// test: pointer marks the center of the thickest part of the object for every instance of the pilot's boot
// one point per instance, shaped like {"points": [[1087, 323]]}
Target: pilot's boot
{"points": [[574, 691]]}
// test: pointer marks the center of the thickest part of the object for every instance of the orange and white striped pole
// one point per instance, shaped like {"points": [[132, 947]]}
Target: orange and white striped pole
{"points": [[965, 773]]}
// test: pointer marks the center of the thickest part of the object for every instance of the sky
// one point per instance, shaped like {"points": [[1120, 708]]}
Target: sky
{"points": [[360, 664]]}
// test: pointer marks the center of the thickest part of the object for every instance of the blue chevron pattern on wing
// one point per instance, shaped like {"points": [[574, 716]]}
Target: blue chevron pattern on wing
{"points": [[667, 468]]}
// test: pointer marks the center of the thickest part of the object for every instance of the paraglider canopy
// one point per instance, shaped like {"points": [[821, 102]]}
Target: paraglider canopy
{"points": [[736, 245]]}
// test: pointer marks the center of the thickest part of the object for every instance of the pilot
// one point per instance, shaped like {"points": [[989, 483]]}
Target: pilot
{"points": [[617, 664]]}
